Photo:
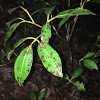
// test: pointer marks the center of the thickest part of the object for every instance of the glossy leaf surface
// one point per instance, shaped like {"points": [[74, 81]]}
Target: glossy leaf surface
{"points": [[66, 77], [98, 45], [11, 30], [42, 94], [23, 65], [50, 59], [73, 12], [80, 86], [90, 64], [46, 33], [16, 45], [62, 22], [77, 73], [21, 41], [89, 54]]}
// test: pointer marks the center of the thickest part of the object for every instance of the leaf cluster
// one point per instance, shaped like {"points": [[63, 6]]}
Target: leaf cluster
{"points": [[49, 57]]}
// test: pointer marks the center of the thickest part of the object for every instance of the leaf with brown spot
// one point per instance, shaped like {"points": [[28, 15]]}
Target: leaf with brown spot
{"points": [[46, 33], [47, 56], [23, 65]]}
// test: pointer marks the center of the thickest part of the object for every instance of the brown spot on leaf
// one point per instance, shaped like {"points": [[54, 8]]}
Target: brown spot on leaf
{"points": [[59, 64], [44, 61], [31, 61], [56, 67], [17, 68], [51, 53], [40, 50], [29, 52], [44, 39], [58, 71], [52, 71], [49, 65], [17, 80], [25, 53], [42, 31], [28, 70], [56, 63], [58, 56], [30, 48], [42, 57], [20, 79], [47, 68], [48, 57]]}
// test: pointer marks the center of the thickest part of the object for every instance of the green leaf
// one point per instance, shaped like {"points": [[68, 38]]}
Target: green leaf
{"points": [[36, 11], [46, 33], [90, 64], [73, 12], [98, 45], [50, 59], [9, 54], [9, 23], [21, 41], [23, 64], [48, 10], [42, 94], [77, 73], [66, 77], [12, 10], [89, 54], [32, 95], [80, 86], [62, 22], [16, 45], [12, 29]]}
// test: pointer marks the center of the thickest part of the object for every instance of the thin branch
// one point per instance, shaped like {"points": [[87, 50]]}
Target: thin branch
{"points": [[6, 63], [75, 20], [37, 25]]}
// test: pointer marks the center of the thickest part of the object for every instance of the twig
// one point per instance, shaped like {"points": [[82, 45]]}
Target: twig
{"points": [[81, 3], [6, 63], [37, 25], [75, 20], [56, 33]]}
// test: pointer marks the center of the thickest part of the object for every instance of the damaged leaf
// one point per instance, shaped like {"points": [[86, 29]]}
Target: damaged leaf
{"points": [[50, 59], [23, 65]]}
